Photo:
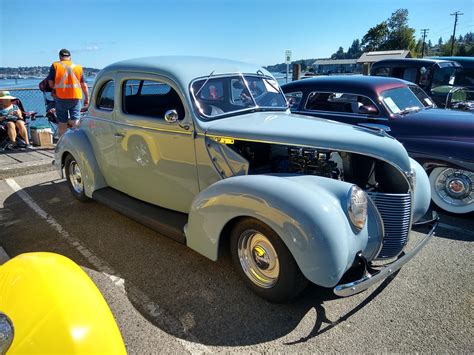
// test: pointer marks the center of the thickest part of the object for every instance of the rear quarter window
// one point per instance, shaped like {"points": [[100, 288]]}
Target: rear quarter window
{"points": [[105, 99]]}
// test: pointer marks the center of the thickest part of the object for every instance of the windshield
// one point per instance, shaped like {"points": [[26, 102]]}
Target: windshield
{"points": [[443, 77], [465, 77], [401, 100], [422, 96], [220, 96]]}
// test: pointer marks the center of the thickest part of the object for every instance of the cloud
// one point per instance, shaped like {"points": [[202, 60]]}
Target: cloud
{"points": [[87, 48]]}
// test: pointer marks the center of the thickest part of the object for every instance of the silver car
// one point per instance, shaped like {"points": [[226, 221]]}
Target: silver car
{"points": [[206, 152]]}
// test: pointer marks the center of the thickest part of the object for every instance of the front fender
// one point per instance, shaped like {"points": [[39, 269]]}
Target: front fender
{"points": [[422, 194], [307, 212], [55, 308], [76, 143]]}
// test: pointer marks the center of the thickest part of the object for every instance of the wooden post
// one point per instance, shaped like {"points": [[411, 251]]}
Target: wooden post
{"points": [[296, 72], [366, 68]]}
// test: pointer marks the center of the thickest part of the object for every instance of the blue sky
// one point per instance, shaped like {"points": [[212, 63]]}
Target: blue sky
{"points": [[99, 32]]}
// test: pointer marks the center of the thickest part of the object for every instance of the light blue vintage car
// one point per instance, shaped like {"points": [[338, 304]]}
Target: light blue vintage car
{"points": [[206, 152]]}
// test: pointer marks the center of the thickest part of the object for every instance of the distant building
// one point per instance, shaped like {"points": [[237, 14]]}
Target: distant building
{"points": [[368, 58], [336, 66]]}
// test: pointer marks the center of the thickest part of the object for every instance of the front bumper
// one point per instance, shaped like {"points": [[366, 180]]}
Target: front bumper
{"points": [[368, 279]]}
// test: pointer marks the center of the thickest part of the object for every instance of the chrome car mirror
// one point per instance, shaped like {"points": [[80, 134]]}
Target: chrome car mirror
{"points": [[367, 109], [6, 333], [171, 116]]}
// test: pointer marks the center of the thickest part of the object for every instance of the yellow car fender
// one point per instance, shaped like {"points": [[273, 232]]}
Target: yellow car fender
{"points": [[55, 307]]}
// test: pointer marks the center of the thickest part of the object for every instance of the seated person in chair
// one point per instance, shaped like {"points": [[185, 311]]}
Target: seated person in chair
{"points": [[11, 120]]}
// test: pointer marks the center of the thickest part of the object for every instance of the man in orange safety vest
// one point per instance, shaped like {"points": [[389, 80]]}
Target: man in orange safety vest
{"points": [[67, 81]]}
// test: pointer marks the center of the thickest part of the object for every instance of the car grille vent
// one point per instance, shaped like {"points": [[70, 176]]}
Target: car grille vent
{"points": [[395, 210]]}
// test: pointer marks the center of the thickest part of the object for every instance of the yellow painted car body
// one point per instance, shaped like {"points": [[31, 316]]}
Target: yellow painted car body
{"points": [[55, 308]]}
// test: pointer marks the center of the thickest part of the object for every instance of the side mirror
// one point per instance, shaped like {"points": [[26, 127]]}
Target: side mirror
{"points": [[171, 116], [367, 109]]}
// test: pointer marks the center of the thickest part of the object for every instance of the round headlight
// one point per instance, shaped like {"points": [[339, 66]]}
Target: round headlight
{"points": [[6, 333], [357, 207]]}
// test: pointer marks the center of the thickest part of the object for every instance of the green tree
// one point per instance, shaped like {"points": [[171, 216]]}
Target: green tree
{"points": [[339, 54], [355, 50], [400, 35], [375, 37]]}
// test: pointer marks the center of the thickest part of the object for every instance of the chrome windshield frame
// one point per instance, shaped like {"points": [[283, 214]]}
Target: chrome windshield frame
{"points": [[202, 116]]}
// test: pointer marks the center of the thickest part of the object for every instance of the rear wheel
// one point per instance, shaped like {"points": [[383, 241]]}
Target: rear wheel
{"points": [[75, 179], [264, 262], [453, 189]]}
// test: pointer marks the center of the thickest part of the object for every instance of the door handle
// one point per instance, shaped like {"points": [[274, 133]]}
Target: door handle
{"points": [[119, 135]]}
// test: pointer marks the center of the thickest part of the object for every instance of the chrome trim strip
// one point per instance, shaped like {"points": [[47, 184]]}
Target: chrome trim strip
{"points": [[369, 280], [122, 123]]}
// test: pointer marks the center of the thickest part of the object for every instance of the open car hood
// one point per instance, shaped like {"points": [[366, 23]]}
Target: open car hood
{"points": [[299, 130]]}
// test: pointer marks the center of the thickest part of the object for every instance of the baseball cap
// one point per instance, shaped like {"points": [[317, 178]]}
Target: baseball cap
{"points": [[64, 53]]}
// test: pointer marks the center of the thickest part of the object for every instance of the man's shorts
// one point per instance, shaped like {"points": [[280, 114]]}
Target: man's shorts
{"points": [[68, 109]]}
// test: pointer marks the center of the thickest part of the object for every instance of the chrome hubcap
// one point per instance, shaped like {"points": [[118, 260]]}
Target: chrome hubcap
{"points": [[258, 259], [75, 177], [455, 187]]}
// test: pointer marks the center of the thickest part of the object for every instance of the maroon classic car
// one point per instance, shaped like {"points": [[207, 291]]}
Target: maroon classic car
{"points": [[441, 140]]}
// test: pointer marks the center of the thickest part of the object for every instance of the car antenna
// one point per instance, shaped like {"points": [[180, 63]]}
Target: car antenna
{"points": [[197, 93]]}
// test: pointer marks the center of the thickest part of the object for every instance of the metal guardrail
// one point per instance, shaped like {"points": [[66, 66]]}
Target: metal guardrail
{"points": [[31, 98]]}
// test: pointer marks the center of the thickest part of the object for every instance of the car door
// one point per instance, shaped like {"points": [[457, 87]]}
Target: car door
{"points": [[156, 158], [99, 125], [344, 107]]}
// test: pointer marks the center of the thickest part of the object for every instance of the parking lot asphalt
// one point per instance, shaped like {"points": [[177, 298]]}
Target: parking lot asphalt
{"points": [[167, 298]]}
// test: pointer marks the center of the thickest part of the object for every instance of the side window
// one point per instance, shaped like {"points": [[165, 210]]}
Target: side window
{"points": [[105, 99], [382, 72], [150, 98], [294, 99], [409, 74], [341, 102]]}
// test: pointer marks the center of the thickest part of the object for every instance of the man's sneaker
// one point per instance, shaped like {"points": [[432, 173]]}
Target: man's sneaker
{"points": [[29, 146]]}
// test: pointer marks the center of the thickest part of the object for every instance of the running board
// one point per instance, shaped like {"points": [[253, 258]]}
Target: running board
{"points": [[161, 220]]}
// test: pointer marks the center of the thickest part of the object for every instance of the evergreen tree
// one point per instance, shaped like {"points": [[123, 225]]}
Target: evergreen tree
{"points": [[375, 37]]}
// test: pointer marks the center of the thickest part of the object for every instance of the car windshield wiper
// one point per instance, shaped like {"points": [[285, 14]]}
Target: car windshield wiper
{"points": [[197, 92], [410, 109]]}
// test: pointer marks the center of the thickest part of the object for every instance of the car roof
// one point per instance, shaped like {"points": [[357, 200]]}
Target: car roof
{"points": [[184, 69], [409, 62], [360, 84], [467, 62]]}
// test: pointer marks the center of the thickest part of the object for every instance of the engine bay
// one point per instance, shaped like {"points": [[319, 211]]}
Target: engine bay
{"points": [[368, 173]]}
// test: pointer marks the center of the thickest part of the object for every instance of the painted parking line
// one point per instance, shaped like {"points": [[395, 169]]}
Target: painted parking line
{"points": [[133, 293]]}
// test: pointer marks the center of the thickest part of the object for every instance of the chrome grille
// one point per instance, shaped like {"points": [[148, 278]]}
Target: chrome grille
{"points": [[395, 210]]}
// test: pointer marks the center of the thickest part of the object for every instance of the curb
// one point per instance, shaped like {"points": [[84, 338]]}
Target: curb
{"points": [[26, 168]]}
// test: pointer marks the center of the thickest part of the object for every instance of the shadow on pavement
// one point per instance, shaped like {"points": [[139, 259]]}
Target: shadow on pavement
{"points": [[195, 295]]}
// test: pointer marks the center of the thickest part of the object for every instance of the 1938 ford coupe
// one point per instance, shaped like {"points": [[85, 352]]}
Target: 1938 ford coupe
{"points": [[206, 152]]}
